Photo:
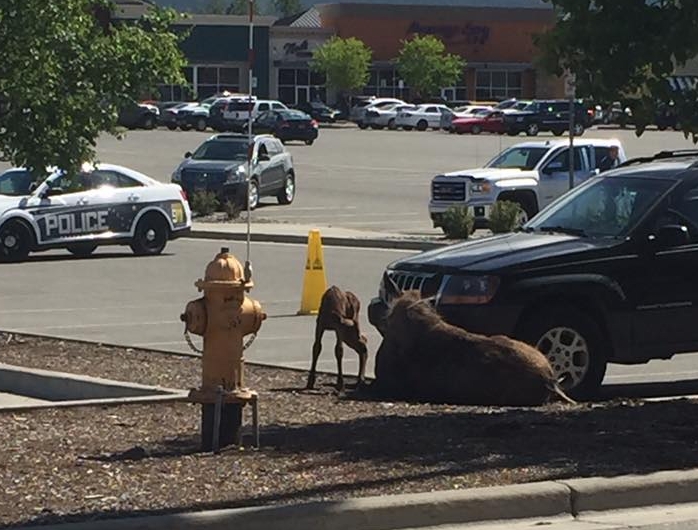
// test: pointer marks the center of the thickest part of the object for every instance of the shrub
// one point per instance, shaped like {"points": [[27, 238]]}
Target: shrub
{"points": [[457, 222], [505, 216], [204, 202], [232, 209]]}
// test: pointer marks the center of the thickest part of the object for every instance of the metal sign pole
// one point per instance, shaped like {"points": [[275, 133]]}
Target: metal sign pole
{"points": [[250, 148], [570, 90]]}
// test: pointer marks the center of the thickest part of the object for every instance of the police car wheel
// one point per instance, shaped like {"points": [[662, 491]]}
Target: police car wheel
{"points": [[83, 249], [15, 241], [151, 236]]}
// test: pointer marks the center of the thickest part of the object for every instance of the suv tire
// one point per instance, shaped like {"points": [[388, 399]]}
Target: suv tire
{"points": [[573, 343], [422, 125], [578, 129], [288, 192], [532, 129]]}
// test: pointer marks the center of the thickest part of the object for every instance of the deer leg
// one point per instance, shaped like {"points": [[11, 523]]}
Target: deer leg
{"points": [[317, 348], [363, 357], [339, 353]]}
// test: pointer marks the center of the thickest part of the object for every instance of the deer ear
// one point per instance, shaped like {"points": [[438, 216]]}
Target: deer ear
{"points": [[392, 290]]}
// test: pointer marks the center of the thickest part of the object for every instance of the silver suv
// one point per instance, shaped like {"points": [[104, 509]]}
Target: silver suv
{"points": [[220, 164]]}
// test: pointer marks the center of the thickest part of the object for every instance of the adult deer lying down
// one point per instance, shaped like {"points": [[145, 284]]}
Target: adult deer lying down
{"points": [[339, 312], [423, 357]]}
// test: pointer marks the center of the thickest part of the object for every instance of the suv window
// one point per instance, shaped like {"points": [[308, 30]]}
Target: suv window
{"points": [[600, 152], [272, 147], [519, 157], [263, 107], [280, 106], [682, 210]]}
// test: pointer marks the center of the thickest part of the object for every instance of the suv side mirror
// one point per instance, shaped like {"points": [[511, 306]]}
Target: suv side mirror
{"points": [[672, 236], [187, 154]]}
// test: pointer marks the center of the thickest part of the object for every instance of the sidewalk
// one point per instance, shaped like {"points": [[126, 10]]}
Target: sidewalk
{"points": [[542, 500], [298, 233]]}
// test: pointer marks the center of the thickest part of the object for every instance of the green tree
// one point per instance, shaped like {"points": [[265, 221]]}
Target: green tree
{"points": [[64, 76], [287, 7], [345, 64], [624, 50], [425, 66], [242, 7], [215, 7]]}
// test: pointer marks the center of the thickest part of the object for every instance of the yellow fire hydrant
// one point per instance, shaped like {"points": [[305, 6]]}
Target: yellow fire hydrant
{"points": [[224, 316]]}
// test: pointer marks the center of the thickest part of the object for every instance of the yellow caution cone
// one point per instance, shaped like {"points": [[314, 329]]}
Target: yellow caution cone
{"points": [[314, 280]]}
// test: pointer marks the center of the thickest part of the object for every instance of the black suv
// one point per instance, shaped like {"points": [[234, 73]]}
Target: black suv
{"points": [[606, 273], [547, 115]]}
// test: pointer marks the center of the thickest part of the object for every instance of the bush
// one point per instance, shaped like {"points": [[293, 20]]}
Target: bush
{"points": [[505, 216], [457, 222], [204, 202], [232, 209]]}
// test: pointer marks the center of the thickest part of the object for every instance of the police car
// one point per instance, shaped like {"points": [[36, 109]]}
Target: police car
{"points": [[103, 204]]}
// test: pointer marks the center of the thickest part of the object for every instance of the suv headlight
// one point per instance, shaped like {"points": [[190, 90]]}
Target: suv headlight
{"points": [[473, 290], [177, 176], [235, 175]]}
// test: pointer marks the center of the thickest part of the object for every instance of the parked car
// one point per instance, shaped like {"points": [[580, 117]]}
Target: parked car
{"points": [[465, 111], [381, 117], [604, 274], [103, 204], [220, 165], [185, 115], [233, 114], [320, 112], [421, 118], [139, 116], [532, 174], [359, 110], [547, 115], [286, 125], [485, 121]]}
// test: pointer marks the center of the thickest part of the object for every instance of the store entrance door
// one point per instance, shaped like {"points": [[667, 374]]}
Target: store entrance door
{"points": [[302, 94]]}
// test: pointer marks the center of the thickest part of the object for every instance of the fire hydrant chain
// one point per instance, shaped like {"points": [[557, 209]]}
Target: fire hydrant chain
{"points": [[191, 344], [249, 341]]}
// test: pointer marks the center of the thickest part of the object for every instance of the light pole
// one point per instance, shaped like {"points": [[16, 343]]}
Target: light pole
{"points": [[250, 148], [570, 89]]}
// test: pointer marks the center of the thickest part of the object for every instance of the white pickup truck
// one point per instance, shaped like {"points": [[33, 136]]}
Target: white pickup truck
{"points": [[532, 174]]}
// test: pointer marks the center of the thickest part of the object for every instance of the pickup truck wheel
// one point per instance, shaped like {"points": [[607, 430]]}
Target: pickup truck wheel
{"points": [[532, 129], [422, 125], [574, 345]]}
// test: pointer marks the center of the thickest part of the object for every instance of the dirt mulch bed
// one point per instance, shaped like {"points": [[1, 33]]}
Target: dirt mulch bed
{"points": [[92, 462]]}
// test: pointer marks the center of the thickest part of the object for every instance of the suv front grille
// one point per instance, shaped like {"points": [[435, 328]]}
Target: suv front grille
{"points": [[427, 283], [448, 191]]}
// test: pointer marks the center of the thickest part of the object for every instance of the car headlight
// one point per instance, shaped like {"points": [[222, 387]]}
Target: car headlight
{"points": [[480, 187], [519, 119], [475, 290], [177, 176], [236, 175]]}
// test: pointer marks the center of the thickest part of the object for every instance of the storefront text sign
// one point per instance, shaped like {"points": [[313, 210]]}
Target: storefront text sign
{"points": [[469, 33]]}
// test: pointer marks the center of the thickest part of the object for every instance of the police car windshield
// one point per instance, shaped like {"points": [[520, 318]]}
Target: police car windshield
{"points": [[221, 150], [524, 158]]}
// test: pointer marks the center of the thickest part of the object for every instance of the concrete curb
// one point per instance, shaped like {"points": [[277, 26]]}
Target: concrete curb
{"points": [[359, 242], [540, 499]]}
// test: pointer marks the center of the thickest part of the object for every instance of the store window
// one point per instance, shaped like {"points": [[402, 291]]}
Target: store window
{"points": [[457, 93], [298, 85], [497, 85], [203, 81], [385, 82]]}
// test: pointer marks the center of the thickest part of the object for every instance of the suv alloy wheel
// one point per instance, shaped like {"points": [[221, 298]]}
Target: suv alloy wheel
{"points": [[573, 344]]}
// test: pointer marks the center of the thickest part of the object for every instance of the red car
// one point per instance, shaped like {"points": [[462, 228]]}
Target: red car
{"points": [[488, 121]]}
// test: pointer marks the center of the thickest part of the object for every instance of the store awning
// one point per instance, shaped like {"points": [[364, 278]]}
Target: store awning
{"points": [[680, 83]]}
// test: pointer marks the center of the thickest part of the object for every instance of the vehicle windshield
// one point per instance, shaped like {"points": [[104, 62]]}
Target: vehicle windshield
{"points": [[291, 115], [524, 158], [221, 150], [602, 207], [16, 182]]}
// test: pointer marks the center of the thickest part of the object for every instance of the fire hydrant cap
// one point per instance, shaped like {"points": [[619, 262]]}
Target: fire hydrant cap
{"points": [[226, 269]]}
